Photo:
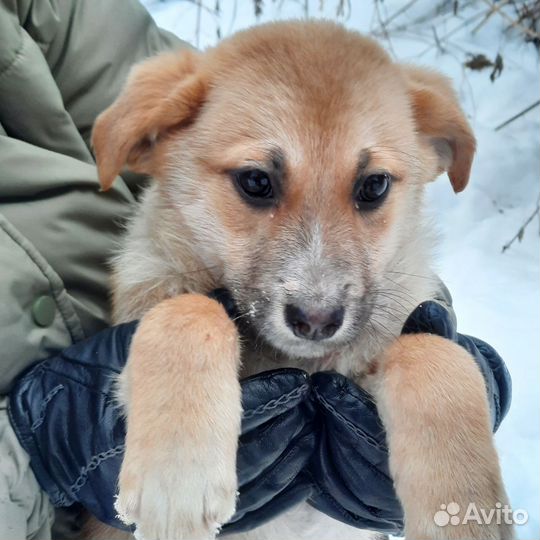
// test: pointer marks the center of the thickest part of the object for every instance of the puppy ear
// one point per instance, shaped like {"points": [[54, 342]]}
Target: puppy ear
{"points": [[160, 93], [440, 118]]}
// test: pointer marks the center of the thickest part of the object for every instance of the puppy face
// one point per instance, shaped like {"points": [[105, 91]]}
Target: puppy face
{"points": [[295, 156]]}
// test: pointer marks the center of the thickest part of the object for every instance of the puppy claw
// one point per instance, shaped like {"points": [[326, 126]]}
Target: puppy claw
{"points": [[183, 498]]}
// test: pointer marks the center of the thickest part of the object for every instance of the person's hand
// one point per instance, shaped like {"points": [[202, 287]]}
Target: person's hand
{"points": [[277, 441], [317, 438], [350, 466], [66, 417]]}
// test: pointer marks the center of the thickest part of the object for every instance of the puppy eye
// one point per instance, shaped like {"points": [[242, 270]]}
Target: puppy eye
{"points": [[255, 185], [372, 189]]}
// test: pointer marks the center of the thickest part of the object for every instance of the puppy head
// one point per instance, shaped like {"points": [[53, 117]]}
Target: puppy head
{"points": [[295, 154]]}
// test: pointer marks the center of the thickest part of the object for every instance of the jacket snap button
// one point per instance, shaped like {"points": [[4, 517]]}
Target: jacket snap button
{"points": [[43, 311]]}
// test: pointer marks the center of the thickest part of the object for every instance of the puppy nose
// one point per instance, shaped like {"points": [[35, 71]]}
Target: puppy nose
{"points": [[314, 324]]}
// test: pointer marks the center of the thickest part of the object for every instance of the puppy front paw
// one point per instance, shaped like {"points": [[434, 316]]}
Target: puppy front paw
{"points": [[432, 398], [183, 404], [181, 496]]}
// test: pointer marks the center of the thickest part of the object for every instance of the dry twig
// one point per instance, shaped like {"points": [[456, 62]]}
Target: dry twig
{"points": [[518, 115], [521, 231], [514, 23], [488, 15]]}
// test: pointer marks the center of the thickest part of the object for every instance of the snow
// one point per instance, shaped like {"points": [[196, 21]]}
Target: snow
{"points": [[495, 294]]}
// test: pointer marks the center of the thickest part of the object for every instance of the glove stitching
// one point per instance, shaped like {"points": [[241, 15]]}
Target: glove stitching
{"points": [[349, 424], [41, 417], [274, 403], [49, 368], [94, 463]]}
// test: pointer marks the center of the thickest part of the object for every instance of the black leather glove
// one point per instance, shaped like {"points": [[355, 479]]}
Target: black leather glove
{"points": [[350, 466], [65, 416], [277, 441]]}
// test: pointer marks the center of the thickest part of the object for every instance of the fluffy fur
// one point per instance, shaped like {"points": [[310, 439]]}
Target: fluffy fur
{"points": [[317, 105]]}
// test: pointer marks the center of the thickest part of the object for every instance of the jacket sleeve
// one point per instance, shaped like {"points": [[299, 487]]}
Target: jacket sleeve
{"points": [[61, 64], [90, 48]]}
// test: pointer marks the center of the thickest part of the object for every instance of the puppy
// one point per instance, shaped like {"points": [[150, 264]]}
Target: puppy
{"points": [[289, 165]]}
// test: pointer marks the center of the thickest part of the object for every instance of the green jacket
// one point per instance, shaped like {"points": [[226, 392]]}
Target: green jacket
{"points": [[61, 63]]}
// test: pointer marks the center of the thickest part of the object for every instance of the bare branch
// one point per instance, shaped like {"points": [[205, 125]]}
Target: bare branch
{"points": [[490, 12], [521, 231], [198, 24], [513, 22], [518, 115]]}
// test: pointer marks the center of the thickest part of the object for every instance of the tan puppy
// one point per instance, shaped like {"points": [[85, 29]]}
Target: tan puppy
{"points": [[289, 165]]}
